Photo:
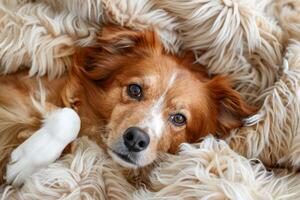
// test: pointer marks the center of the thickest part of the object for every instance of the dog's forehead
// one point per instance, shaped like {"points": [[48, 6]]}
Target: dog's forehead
{"points": [[174, 82]]}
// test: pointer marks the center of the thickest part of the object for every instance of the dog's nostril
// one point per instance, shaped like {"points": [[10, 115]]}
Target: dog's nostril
{"points": [[135, 139], [129, 136], [142, 144]]}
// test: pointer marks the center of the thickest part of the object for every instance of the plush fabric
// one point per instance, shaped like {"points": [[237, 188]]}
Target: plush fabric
{"points": [[257, 42]]}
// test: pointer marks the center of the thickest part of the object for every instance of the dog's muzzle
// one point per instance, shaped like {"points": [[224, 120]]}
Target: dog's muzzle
{"points": [[129, 148], [135, 139]]}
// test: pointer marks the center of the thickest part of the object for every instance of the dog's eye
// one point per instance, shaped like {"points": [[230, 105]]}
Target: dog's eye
{"points": [[135, 91], [178, 119]]}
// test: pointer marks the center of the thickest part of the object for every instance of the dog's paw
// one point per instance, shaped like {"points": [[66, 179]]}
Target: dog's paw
{"points": [[63, 124], [19, 168], [35, 153], [44, 146]]}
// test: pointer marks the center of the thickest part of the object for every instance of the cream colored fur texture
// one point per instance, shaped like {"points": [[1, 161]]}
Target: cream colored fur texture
{"points": [[257, 42]]}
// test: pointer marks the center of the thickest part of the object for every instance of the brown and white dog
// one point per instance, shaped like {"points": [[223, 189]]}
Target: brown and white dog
{"points": [[127, 93]]}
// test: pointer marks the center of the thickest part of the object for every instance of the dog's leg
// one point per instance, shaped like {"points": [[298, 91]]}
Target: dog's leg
{"points": [[25, 134], [44, 146]]}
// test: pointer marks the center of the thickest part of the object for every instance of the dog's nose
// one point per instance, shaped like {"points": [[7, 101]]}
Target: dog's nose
{"points": [[136, 139]]}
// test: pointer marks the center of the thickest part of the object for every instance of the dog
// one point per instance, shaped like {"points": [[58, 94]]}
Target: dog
{"points": [[125, 92]]}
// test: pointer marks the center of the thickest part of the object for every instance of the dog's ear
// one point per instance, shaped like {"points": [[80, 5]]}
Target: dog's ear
{"points": [[117, 39], [231, 108], [112, 50], [99, 61], [111, 40]]}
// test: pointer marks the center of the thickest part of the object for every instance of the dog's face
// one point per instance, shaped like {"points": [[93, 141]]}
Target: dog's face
{"points": [[152, 101], [159, 104]]}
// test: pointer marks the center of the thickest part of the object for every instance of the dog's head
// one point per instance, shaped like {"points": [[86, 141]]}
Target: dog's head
{"points": [[150, 100]]}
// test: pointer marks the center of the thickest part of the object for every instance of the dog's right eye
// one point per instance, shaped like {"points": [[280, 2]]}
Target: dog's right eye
{"points": [[135, 91]]}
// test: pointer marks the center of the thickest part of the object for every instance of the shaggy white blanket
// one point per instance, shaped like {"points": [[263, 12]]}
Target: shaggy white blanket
{"points": [[256, 41]]}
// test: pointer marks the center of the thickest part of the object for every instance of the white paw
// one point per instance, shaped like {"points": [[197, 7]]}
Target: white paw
{"points": [[33, 154], [63, 124], [60, 128]]}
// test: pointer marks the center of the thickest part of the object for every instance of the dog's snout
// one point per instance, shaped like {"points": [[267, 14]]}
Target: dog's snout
{"points": [[136, 139]]}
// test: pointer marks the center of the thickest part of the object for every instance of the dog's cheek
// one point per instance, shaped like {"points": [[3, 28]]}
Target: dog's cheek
{"points": [[151, 150], [111, 99], [177, 140], [165, 141]]}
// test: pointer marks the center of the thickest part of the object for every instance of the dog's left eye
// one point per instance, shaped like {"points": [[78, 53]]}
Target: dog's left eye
{"points": [[135, 91], [178, 119]]}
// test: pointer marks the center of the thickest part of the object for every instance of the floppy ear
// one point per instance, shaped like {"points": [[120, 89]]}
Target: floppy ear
{"points": [[117, 39], [98, 61], [230, 105]]}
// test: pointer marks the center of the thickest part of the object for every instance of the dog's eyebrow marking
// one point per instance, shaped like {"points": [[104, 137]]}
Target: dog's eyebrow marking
{"points": [[154, 121]]}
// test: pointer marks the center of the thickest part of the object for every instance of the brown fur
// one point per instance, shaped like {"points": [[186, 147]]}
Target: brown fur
{"points": [[96, 88]]}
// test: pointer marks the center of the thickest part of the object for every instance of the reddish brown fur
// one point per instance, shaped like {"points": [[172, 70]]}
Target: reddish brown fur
{"points": [[96, 89], [124, 54]]}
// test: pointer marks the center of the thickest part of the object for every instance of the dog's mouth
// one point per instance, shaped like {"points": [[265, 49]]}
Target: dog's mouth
{"points": [[124, 160], [124, 157]]}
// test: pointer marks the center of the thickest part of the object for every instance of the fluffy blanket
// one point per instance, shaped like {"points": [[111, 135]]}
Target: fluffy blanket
{"points": [[257, 42]]}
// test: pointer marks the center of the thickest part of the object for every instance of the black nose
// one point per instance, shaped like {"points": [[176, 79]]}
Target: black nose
{"points": [[136, 139]]}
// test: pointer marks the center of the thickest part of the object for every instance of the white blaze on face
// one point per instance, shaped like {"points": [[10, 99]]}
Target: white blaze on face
{"points": [[154, 122]]}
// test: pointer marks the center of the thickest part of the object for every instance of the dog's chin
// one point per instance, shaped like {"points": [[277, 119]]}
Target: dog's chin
{"points": [[123, 160]]}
